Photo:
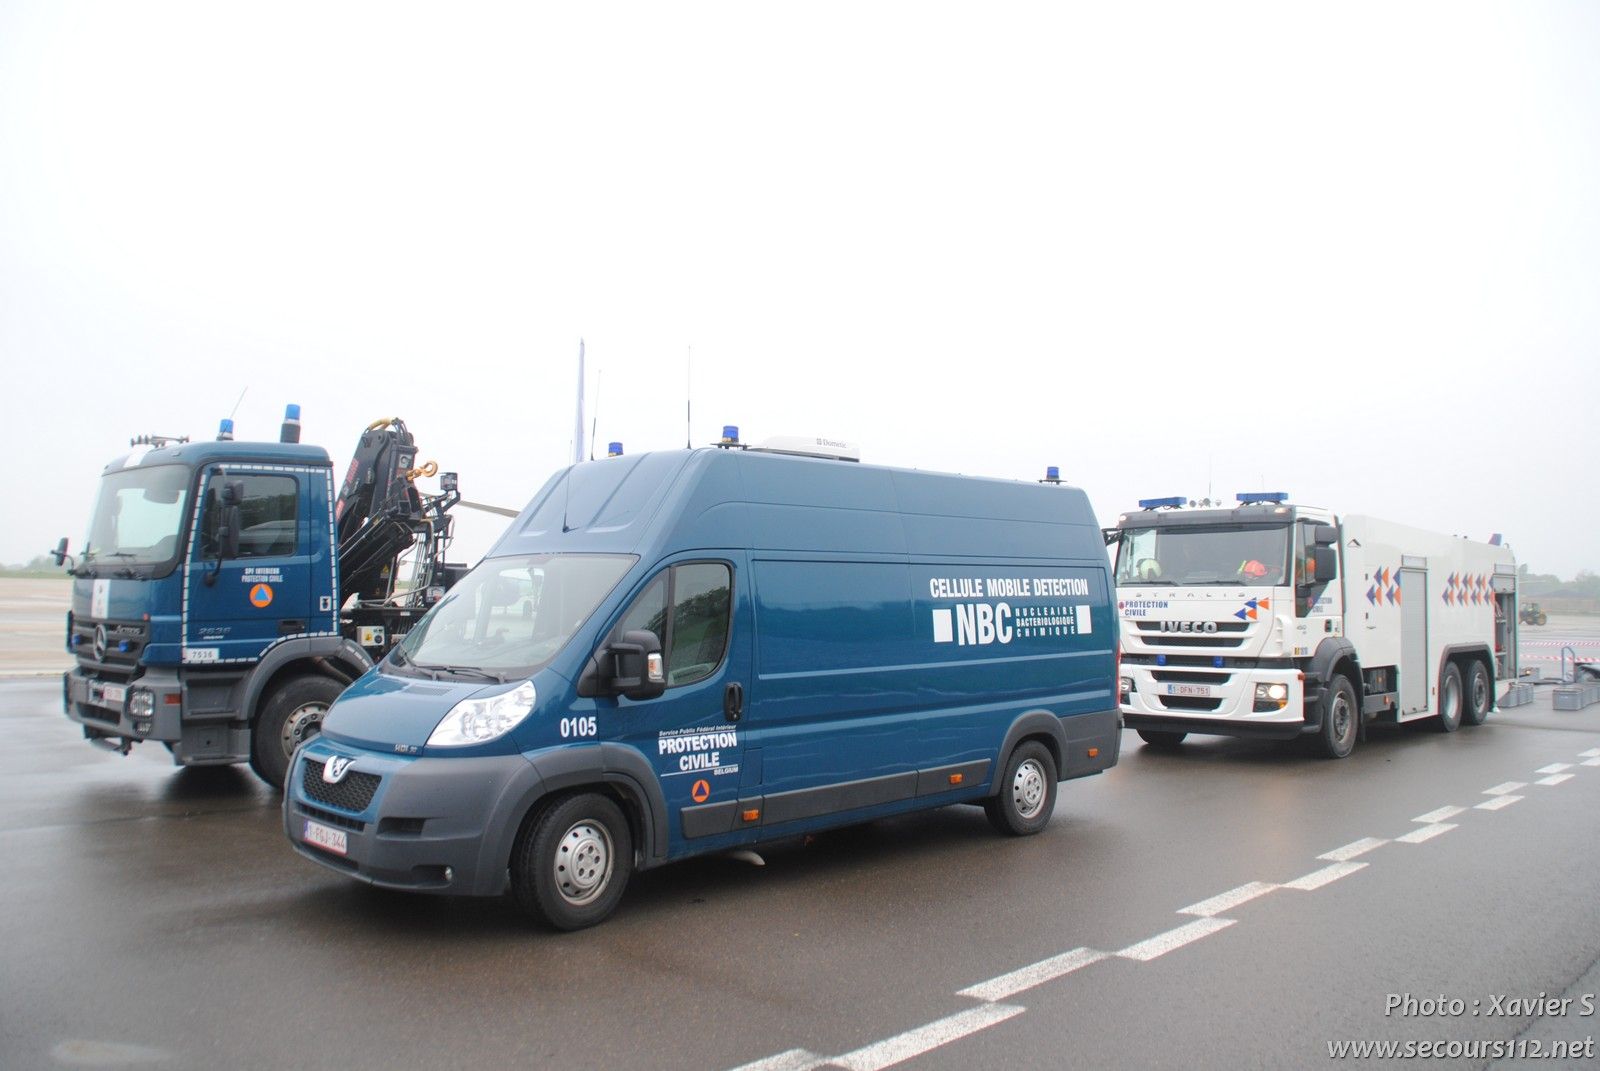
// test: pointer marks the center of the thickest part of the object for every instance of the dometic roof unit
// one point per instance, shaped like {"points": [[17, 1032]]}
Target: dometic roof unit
{"points": [[796, 445]]}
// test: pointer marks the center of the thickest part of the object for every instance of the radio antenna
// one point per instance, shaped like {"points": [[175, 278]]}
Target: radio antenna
{"points": [[238, 403], [594, 421], [688, 401]]}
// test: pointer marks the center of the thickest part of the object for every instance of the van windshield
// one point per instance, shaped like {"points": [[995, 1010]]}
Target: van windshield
{"points": [[510, 616], [1194, 554]]}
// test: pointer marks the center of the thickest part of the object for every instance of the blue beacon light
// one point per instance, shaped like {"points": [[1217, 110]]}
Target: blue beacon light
{"points": [[1159, 503], [1250, 498]]}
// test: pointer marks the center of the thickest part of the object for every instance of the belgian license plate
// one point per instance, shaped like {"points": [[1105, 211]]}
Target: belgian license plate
{"points": [[112, 695], [326, 838], [1201, 690]]}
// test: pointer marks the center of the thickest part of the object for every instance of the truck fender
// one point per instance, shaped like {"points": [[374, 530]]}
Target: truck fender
{"points": [[1460, 649], [1033, 723], [346, 653], [1319, 670], [617, 765]]}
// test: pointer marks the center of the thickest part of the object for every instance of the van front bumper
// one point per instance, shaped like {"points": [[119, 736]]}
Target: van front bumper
{"points": [[439, 825]]}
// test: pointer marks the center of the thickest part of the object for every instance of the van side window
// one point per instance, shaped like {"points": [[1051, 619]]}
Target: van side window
{"points": [[701, 600], [687, 607], [267, 517]]}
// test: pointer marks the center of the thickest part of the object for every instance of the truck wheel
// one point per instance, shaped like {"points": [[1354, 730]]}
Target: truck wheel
{"points": [[1161, 741], [1027, 792], [572, 861], [1340, 721], [291, 717], [1449, 717], [1480, 694]]}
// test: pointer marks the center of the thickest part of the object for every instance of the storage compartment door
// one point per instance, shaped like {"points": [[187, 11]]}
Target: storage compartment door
{"points": [[1414, 669]]}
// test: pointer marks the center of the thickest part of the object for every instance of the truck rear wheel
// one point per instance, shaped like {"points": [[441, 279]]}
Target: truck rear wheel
{"points": [[1340, 721], [290, 717], [1027, 792], [1480, 694], [1161, 741], [1449, 717], [572, 861]]}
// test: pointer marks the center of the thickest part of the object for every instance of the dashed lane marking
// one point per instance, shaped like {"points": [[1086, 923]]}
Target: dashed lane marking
{"points": [[1328, 874], [1497, 803], [1162, 943], [1417, 836], [1592, 753], [793, 1060], [1353, 849], [1554, 767], [1555, 779], [1046, 970], [1439, 815], [1216, 905], [902, 1047], [1591, 762], [1501, 790]]}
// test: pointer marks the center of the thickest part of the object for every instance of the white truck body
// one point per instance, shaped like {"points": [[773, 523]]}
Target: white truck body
{"points": [[1228, 629]]}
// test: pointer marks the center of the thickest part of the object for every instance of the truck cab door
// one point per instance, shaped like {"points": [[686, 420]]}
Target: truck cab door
{"points": [[243, 593], [693, 733]]}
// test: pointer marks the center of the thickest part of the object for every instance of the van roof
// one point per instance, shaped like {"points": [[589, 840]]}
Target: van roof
{"points": [[671, 501]]}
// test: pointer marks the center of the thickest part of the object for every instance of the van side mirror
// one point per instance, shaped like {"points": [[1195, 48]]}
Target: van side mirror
{"points": [[60, 553], [636, 668]]}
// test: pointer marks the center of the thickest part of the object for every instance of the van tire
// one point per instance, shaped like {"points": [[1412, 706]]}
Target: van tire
{"points": [[289, 718], [572, 861], [1160, 739], [1479, 695], [1027, 791], [1451, 700]]}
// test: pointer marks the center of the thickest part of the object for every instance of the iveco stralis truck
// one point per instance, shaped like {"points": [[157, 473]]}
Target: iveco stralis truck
{"points": [[1276, 620], [228, 591], [694, 651]]}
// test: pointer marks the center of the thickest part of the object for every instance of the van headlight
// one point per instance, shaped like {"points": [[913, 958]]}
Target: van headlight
{"points": [[477, 721]]}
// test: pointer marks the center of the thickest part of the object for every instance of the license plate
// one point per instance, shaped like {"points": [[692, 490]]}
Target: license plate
{"points": [[326, 838], [1201, 690], [112, 695]]}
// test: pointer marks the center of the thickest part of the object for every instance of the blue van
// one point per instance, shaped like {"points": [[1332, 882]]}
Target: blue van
{"points": [[692, 651]]}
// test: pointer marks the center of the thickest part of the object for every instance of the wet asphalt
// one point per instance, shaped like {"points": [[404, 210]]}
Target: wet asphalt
{"points": [[156, 917]]}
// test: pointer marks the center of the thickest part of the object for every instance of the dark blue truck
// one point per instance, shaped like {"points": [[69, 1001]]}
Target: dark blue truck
{"points": [[229, 591], [698, 650]]}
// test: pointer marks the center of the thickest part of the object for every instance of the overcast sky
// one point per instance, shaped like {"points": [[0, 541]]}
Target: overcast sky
{"points": [[1347, 251]]}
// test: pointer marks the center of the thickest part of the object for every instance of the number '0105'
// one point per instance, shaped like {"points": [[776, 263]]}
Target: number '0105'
{"points": [[578, 727]]}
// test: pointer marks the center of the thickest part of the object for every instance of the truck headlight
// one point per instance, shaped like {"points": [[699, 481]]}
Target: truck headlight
{"points": [[1271, 696], [477, 721], [141, 703]]}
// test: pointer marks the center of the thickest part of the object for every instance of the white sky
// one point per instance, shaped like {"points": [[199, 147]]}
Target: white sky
{"points": [[1348, 251]]}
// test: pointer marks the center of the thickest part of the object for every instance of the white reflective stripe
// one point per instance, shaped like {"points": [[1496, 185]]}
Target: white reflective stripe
{"points": [[1554, 767]]}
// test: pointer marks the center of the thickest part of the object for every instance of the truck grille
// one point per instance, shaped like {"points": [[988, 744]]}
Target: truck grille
{"points": [[1229, 634], [353, 793], [124, 642]]}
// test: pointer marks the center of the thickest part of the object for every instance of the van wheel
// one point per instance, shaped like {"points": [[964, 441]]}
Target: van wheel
{"points": [[1480, 694], [1449, 718], [291, 717], [1340, 721], [1027, 792], [572, 862], [1161, 740]]}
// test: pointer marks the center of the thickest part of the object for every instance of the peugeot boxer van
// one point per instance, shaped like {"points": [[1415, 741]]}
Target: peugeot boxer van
{"points": [[693, 651]]}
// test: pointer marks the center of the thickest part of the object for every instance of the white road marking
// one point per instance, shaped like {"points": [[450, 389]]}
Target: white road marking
{"points": [[1417, 836], [1353, 849], [1555, 779], [1318, 878], [1591, 762], [1440, 815], [1592, 753], [1497, 803], [1162, 943], [1554, 767], [902, 1047], [793, 1060], [1501, 790], [1024, 978], [1228, 900]]}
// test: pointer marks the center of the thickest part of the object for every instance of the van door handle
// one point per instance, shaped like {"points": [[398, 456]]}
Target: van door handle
{"points": [[733, 702]]}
